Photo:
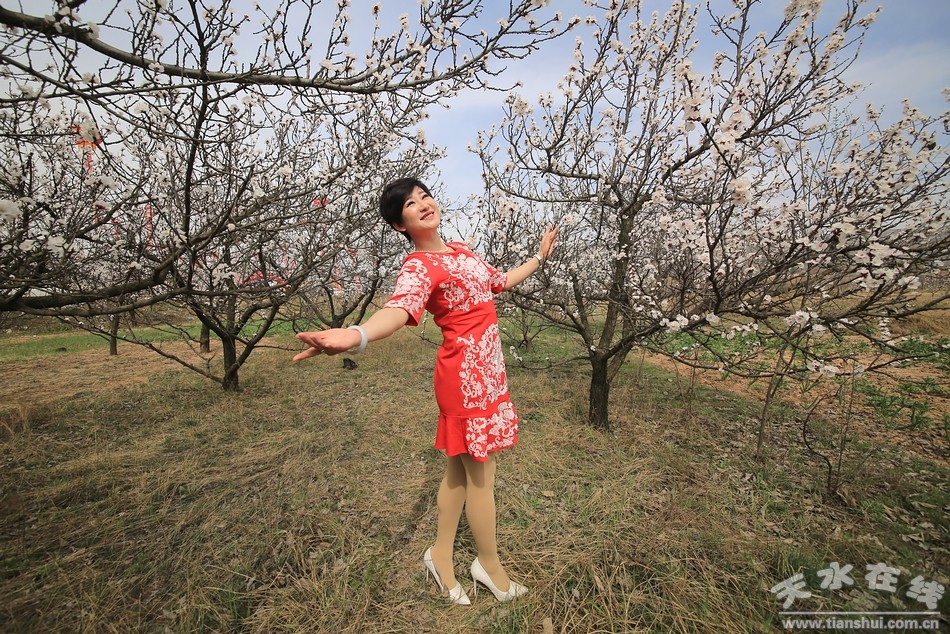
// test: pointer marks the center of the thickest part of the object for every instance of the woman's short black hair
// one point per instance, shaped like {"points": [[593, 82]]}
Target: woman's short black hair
{"points": [[394, 197]]}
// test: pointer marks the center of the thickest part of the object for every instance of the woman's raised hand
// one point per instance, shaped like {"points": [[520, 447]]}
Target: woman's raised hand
{"points": [[333, 341], [548, 242]]}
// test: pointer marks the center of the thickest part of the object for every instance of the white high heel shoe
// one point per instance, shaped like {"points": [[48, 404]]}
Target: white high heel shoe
{"points": [[457, 594], [481, 577]]}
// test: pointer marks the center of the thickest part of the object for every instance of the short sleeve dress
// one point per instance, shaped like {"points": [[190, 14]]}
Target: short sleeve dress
{"points": [[476, 416]]}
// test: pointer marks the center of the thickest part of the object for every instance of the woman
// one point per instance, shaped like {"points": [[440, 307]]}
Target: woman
{"points": [[476, 417]]}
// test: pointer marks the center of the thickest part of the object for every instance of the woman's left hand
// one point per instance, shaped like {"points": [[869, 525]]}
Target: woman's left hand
{"points": [[548, 242], [333, 341]]}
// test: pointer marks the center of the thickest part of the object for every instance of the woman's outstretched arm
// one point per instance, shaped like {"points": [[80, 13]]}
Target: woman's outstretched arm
{"points": [[518, 275], [383, 323]]}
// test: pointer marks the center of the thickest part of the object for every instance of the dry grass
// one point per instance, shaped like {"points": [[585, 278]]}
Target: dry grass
{"points": [[304, 503]]}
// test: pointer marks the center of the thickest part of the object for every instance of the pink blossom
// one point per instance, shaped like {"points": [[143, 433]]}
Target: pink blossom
{"points": [[741, 191]]}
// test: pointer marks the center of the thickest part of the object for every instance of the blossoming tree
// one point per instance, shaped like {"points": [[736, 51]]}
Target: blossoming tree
{"points": [[736, 201], [214, 161], [294, 204], [125, 78]]}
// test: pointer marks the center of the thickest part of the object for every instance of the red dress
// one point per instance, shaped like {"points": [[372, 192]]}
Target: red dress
{"points": [[471, 385]]}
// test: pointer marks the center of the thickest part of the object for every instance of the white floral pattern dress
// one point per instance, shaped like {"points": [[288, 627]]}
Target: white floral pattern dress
{"points": [[471, 385]]}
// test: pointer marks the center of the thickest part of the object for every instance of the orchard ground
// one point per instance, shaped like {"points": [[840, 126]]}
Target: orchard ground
{"points": [[137, 496]]}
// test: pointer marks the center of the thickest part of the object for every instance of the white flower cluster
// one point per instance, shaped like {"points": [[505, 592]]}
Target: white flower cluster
{"points": [[223, 272], [102, 180], [87, 129], [741, 190], [56, 245], [519, 106], [676, 324], [825, 369], [9, 210], [800, 318]]}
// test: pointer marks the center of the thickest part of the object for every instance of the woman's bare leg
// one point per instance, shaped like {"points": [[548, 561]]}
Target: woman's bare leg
{"points": [[480, 513], [451, 500]]}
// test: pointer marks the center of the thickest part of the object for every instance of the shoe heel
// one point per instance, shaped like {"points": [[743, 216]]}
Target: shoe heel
{"points": [[430, 568], [457, 594], [479, 575]]}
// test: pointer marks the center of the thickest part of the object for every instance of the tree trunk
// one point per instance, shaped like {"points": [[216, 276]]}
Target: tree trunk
{"points": [[113, 335], [778, 373], [231, 366], [204, 339], [599, 393]]}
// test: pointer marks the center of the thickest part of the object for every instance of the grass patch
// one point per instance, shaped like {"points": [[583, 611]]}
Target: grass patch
{"points": [[304, 503], [23, 348], [18, 346]]}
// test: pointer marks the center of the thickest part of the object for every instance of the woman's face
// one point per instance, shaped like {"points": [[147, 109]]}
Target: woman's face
{"points": [[420, 214]]}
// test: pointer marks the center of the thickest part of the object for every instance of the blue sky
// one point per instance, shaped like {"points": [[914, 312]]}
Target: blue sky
{"points": [[906, 54]]}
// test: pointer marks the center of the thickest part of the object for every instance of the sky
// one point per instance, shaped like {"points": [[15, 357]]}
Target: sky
{"points": [[906, 54]]}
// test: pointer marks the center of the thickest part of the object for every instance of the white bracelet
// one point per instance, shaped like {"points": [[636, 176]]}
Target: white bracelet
{"points": [[540, 259], [363, 338]]}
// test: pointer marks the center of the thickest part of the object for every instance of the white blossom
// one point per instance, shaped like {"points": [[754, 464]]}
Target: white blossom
{"points": [[838, 170], [726, 142], [829, 370], [800, 318], [911, 282], [879, 252], [104, 181], [675, 325], [9, 210], [520, 107], [844, 228], [741, 191], [87, 129], [55, 244]]}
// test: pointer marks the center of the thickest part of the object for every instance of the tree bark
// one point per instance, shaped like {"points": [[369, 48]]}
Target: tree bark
{"points": [[599, 393], [204, 339], [113, 335], [230, 382]]}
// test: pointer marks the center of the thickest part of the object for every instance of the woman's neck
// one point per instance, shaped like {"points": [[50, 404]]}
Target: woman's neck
{"points": [[431, 243]]}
